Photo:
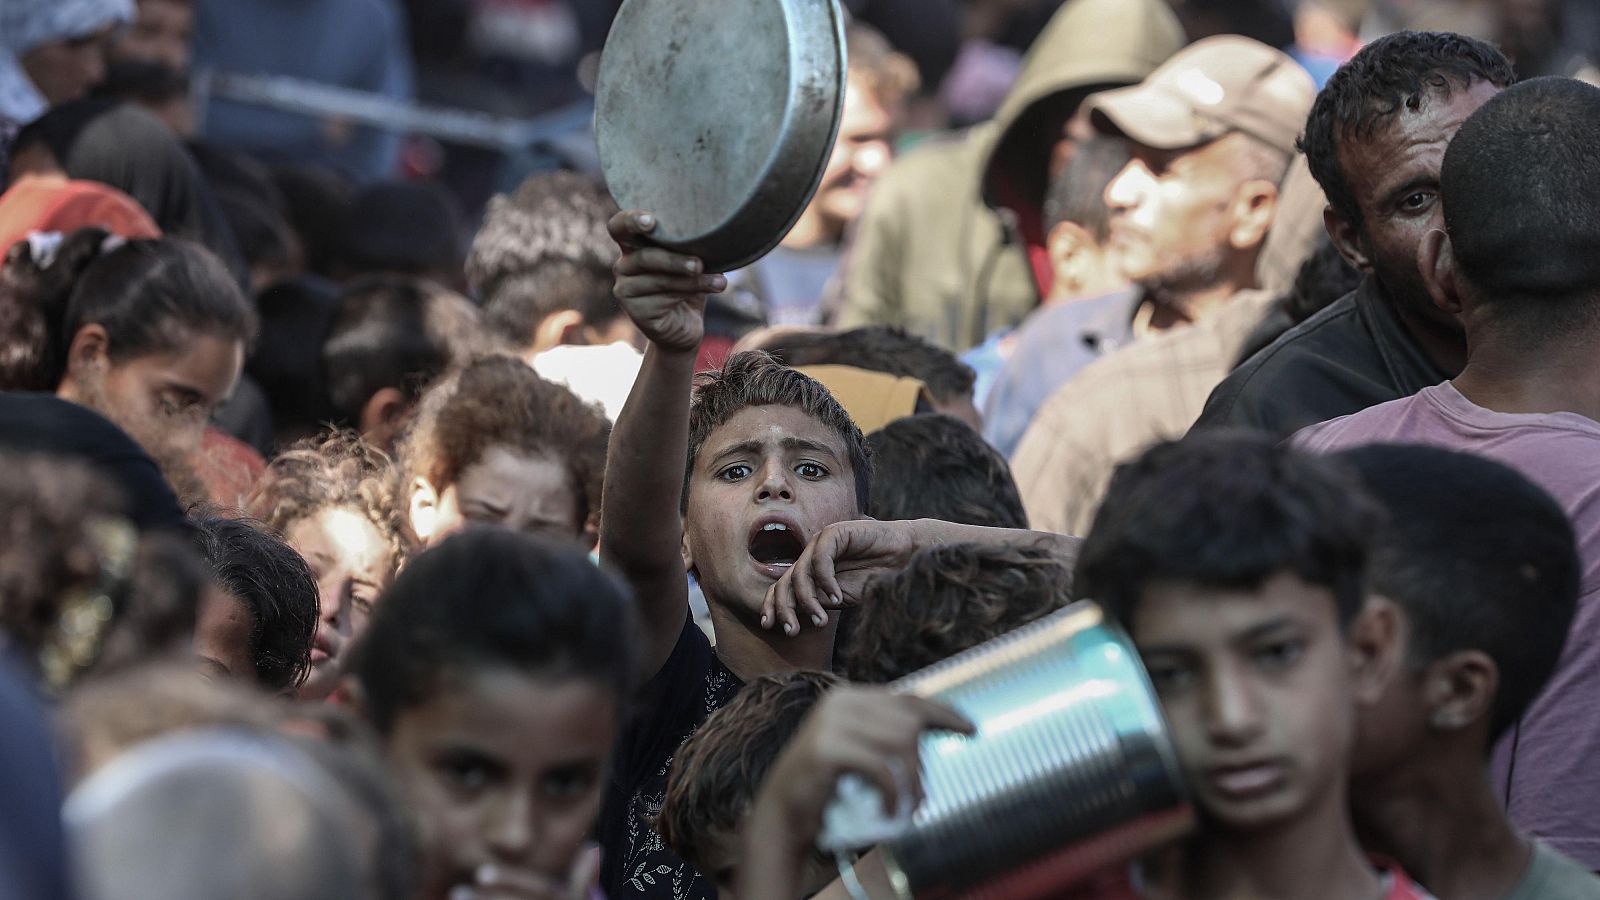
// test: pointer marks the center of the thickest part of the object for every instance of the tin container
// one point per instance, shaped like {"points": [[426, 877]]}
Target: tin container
{"points": [[1071, 769], [719, 116]]}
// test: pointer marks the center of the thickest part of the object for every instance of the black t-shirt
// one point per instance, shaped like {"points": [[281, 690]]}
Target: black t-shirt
{"points": [[690, 686]]}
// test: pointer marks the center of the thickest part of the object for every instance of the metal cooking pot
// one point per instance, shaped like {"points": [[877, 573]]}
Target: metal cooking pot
{"points": [[1070, 771], [718, 116]]}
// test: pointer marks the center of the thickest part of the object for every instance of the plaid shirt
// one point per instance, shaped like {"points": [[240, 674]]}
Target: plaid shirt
{"points": [[1149, 391]]}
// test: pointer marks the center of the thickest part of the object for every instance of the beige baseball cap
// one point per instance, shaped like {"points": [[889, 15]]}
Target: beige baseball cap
{"points": [[1214, 86]]}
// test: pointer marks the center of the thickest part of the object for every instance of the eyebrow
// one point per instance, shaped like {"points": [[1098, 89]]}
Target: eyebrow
{"points": [[789, 443], [1254, 633]]}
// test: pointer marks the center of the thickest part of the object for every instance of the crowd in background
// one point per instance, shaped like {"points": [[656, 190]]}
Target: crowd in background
{"points": [[383, 514]]}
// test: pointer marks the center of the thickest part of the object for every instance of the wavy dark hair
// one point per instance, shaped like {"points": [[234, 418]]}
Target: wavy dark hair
{"points": [[149, 295]]}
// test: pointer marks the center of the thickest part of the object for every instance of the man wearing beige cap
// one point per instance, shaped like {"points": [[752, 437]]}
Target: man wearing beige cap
{"points": [[1212, 133]]}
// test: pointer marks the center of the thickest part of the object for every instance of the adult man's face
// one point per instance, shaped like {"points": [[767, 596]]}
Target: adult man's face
{"points": [[1172, 213], [861, 152], [1393, 174]]}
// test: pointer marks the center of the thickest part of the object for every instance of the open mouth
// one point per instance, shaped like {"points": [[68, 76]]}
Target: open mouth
{"points": [[775, 544]]}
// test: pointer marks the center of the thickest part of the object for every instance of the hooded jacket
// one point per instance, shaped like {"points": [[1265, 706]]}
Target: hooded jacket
{"points": [[950, 247]]}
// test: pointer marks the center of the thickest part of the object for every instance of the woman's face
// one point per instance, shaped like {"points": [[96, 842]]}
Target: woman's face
{"points": [[526, 493], [352, 562], [505, 770], [65, 70], [163, 400]]}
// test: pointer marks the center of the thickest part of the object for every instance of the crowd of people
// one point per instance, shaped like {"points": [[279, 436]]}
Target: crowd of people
{"points": [[380, 519]]}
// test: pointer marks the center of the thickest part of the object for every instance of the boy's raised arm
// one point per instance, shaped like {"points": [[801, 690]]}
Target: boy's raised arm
{"points": [[641, 531]]}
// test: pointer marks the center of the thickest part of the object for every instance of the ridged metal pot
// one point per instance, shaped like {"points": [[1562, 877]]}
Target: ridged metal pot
{"points": [[1071, 769], [718, 116]]}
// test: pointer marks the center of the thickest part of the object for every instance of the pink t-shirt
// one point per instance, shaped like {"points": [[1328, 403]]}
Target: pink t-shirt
{"points": [[1550, 766]]}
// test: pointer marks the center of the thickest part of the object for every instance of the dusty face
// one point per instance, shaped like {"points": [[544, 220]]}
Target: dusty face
{"points": [[162, 32], [66, 70], [504, 769], [1171, 214], [1256, 686], [862, 151], [764, 484], [222, 636], [527, 493], [352, 563], [163, 400], [1394, 176]]}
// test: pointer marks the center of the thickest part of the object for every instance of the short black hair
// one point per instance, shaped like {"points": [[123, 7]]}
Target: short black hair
{"points": [[395, 331], [934, 466], [879, 348], [1397, 71], [296, 316], [1479, 558], [277, 587], [718, 771], [946, 600], [514, 309], [1078, 193], [545, 249], [1226, 509], [414, 228], [1519, 188], [490, 597], [1324, 277]]}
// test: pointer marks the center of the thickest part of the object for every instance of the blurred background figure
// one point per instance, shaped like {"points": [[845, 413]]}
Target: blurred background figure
{"points": [[358, 44]]}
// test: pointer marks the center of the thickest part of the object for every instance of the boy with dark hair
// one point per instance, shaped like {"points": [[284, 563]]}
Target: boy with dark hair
{"points": [[541, 266], [717, 772], [950, 599], [1237, 567], [259, 620], [879, 348], [1484, 569], [769, 460], [391, 336], [936, 467]]}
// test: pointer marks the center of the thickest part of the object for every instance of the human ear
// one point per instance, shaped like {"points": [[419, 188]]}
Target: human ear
{"points": [[90, 349], [1459, 690], [560, 327], [1375, 649], [1068, 245], [1436, 262], [687, 551], [384, 416], [423, 510], [1255, 205], [1346, 239]]}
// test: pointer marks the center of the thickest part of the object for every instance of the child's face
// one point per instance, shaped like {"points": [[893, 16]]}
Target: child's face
{"points": [[1391, 729], [352, 563], [1256, 685], [765, 482], [526, 493], [504, 769]]}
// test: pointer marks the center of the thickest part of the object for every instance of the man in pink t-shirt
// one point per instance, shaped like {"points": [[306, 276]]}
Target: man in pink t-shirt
{"points": [[1520, 267]]}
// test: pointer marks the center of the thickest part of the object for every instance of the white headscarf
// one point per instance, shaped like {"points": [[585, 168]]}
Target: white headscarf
{"points": [[25, 24]]}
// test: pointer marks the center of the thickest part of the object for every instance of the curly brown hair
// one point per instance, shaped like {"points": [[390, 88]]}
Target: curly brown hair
{"points": [[338, 470], [716, 773], [498, 401], [949, 599]]}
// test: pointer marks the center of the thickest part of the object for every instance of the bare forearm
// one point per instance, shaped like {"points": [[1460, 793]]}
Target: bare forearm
{"points": [[933, 532], [640, 527]]}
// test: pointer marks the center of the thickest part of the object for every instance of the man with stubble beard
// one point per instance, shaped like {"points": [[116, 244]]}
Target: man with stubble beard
{"points": [[1375, 141]]}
